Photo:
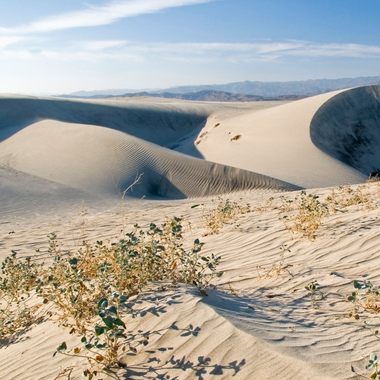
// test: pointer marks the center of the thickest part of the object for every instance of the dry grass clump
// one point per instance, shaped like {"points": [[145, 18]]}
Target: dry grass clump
{"points": [[225, 212], [307, 219], [17, 311], [305, 213], [374, 176], [88, 290], [346, 196]]}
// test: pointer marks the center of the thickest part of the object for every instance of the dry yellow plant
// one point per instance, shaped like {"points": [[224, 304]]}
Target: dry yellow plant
{"points": [[225, 212]]}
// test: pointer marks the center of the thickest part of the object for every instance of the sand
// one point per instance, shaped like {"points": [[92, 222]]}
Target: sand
{"points": [[64, 167]]}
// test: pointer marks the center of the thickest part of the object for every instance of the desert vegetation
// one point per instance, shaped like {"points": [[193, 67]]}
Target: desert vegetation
{"points": [[304, 214], [224, 212], [91, 291], [365, 299]]}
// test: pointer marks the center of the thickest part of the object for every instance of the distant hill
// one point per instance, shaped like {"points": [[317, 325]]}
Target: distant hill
{"points": [[205, 95], [276, 89], [242, 91]]}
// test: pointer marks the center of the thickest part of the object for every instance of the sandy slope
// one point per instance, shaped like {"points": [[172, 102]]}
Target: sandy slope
{"points": [[268, 324], [277, 141]]}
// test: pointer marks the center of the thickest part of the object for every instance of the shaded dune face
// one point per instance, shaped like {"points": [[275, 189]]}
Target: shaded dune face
{"points": [[347, 127], [156, 124]]}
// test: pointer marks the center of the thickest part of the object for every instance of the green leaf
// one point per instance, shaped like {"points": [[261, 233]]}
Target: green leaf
{"points": [[61, 347], [99, 330], [108, 321], [103, 303], [360, 284], [119, 322], [73, 262], [112, 310]]}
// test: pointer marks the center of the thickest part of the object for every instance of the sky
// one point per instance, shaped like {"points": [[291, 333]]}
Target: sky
{"points": [[55, 46]]}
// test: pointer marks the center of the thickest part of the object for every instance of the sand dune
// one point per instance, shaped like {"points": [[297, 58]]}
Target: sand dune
{"points": [[105, 162], [100, 147], [277, 142], [64, 166]]}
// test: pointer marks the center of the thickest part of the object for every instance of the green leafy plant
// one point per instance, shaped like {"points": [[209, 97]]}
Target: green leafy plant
{"points": [[314, 292], [372, 368], [365, 298]]}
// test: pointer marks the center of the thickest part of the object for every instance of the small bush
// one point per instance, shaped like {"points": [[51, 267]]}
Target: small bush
{"points": [[225, 212], [305, 213], [346, 196], [365, 298], [308, 216], [18, 280]]}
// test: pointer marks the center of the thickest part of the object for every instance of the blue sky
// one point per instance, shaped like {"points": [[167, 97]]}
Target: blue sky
{"points": [[54, 46]]}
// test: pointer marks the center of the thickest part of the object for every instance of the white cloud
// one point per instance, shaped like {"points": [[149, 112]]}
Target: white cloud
{"points": [[101, 45], [6, 41], [196, 52], [108, 13]]}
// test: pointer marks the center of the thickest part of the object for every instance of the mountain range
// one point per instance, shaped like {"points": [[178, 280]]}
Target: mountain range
{"points": [[239, 91]]}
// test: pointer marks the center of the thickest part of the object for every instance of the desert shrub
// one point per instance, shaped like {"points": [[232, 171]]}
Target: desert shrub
{"points": [[309, 212], [365, 298], [346, 196], [17, 281], [225, 212], [87, 289], [305, 213]]}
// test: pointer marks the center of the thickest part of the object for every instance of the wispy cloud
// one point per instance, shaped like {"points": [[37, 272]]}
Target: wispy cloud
{"points": [[90, 16], [6, 41], [187, 51], [102, 45]]}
